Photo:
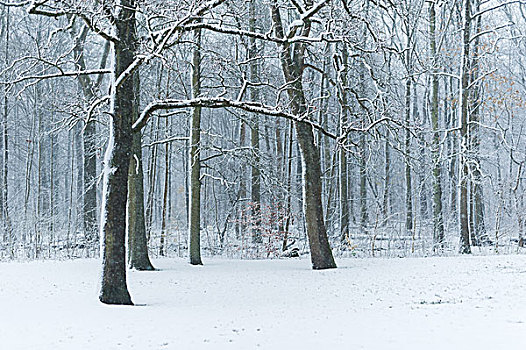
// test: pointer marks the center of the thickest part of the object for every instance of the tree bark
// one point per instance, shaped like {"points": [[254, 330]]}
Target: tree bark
{"points": [[8, 234], [114, 289], [138, 257], [194, 219], [407, 150], [477, 195], [89, 174], [465, 247], [254, 137], [292, 67], [164, 211], [438, 215], [344, 177]]}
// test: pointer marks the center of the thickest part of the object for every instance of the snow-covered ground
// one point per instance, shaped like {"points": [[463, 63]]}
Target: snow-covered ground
{"points": [[432, 303]]}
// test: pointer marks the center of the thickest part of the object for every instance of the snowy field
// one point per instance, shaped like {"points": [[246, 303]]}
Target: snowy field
{"points": [[433, 303]]}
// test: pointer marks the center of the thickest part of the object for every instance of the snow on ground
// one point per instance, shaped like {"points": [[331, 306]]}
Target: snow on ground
{"points": [[478, 302]]}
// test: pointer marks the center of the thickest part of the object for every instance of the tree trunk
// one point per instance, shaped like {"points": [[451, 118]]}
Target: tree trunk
{"points": [[344, 177], [321, 254], [288, 209], [194, 219], [477, 194], [387, 180], [162, 243], [152, 180], [8, 234], [364, 214], [438, 215], [452, 118], [465, 247], [89, 174], [407, 150], [138, 257], [242, 191], [90, 188], [114, 289], [254, 138]]}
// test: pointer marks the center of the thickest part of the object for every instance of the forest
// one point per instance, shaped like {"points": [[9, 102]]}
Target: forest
{"points": [[332, 130]]}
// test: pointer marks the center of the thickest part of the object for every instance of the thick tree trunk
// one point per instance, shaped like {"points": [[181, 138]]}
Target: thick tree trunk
{"points": [[114, 289]]}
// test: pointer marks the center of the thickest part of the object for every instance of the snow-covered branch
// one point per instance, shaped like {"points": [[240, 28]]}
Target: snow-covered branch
{"points": [[56, 75], [221, 102]]}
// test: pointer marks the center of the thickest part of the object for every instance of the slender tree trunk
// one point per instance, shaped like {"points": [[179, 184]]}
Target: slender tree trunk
{"points": [[288, 209], [477, 194], [364, 214], [422, 119], [152, 180], [8, 234], [29, 176], [2, 155], [324, 143], [387, 177], [90, 179], [344, 176], [162, 243], [242, 192], [453, 151], [39, 197], [138, 257], [407, 150], [465, 247], [321, 254], [438, 215], [52, 184], [195, 159], [89, 169], [254, 96]]}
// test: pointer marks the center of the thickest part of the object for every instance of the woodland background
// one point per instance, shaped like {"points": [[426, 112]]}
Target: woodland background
{"points": [[418, 111]]}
